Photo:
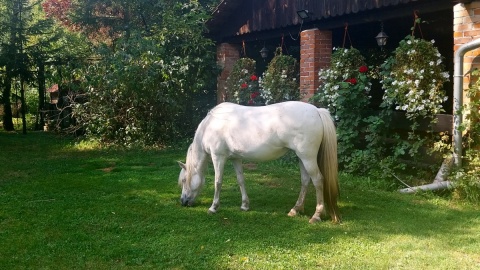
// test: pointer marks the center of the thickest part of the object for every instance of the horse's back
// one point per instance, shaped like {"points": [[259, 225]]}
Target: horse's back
{"points": [[263, 132], [275, 117]]}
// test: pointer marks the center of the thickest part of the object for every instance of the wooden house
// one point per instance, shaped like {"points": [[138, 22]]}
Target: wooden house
{"points": [[244, 27]]}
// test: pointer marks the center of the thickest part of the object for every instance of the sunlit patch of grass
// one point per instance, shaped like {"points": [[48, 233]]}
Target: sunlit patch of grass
{"points": [[86, 145]]}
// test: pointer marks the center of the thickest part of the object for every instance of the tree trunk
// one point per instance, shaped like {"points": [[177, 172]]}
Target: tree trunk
{"points": [[24, 105], [7, 105], [40, 121]]}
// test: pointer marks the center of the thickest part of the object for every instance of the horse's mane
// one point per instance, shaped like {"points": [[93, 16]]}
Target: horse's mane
{"points": [[189, 166], [194, 158]]}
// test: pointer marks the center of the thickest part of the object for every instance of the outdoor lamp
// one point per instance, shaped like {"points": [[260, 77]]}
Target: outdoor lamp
{"points": [[381, 37], [303, 14], [264, 52]]}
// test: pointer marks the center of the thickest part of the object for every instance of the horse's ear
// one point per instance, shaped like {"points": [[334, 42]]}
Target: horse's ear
{"points": [[182, 165]]}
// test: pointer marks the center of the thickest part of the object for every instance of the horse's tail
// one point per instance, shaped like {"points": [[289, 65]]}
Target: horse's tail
{"points": [[328, 165]]}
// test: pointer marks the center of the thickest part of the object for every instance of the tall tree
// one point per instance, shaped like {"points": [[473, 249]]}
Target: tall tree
{"points": [[26, 46], [8, 59]]}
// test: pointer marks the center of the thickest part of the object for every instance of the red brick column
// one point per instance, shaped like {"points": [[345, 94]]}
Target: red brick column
{"points": [[466, 27], [227, 55], [315, 54]]}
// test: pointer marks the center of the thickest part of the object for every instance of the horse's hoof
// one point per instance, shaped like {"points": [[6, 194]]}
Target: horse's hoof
{"points": [[292, 213], [212, 211], [244, 208], [314, 220]]}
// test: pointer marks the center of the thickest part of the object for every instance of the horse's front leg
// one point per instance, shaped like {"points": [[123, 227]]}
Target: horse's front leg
{"points": [[218, 165], [237, 164], [299, 205]]}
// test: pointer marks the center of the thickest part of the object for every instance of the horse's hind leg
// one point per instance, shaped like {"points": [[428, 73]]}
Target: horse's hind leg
{"points": [[237, 164], [320, 208], [311, 167], [299, 205]]}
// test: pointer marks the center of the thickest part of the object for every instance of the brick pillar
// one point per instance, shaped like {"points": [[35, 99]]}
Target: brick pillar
{"points": [[227, 55], [315, 54], [466, 27]]}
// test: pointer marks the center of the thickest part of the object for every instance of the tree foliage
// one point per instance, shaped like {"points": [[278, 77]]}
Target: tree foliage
{"points": [[150, 75]]}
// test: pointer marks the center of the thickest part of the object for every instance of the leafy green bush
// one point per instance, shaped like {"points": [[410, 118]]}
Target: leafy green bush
{"points": [[150, 89], [141, 94], [468, 178], [413, 79]]}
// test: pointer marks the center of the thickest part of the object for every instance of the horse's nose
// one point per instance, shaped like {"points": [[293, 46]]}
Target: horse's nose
{"points": [[184, 200]]}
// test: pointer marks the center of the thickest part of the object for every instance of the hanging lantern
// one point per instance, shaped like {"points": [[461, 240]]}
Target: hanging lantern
{"points": [[381, 37], [264, 52]]}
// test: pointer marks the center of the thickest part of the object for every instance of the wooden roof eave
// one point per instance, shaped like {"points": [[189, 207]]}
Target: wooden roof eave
{"points": [[372, 15]]}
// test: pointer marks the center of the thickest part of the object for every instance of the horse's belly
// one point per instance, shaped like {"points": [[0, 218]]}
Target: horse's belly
{"points": [[259, 153]]}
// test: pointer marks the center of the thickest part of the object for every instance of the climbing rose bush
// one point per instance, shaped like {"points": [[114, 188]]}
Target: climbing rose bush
{"points": [[345, 82], [242, 86], [345, 90]]}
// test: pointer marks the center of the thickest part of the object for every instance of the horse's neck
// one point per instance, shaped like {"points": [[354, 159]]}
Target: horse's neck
{"points": [[198, 156]]}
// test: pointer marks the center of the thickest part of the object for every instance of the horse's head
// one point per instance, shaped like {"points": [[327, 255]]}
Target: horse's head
{"points": [[191, 182]]}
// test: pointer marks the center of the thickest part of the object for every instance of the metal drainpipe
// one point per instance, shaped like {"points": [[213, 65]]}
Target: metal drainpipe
{"points": [[458, 97]]}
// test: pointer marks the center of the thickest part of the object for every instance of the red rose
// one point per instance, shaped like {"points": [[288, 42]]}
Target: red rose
{"points": [[250, 102], [363, 69], [352, 81], [244, 85], [254, 95], [253, 77]]}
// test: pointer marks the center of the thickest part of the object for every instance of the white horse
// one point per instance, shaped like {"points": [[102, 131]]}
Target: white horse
{"points": [[235, 132]]}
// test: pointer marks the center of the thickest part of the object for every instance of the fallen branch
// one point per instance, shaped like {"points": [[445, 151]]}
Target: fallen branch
{"points": [[428, 187], [440, 181]]}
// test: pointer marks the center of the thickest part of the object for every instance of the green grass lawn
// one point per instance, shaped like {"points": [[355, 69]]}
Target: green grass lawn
{"points": [[63, 206]]}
